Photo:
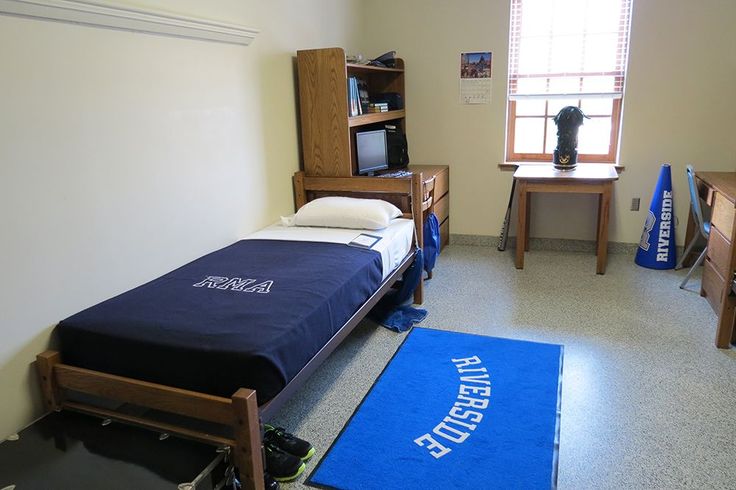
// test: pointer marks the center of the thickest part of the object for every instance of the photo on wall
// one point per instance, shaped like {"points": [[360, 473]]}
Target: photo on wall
{"points": [[475, 77]]}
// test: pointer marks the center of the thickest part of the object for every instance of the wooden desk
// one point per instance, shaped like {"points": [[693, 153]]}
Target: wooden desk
{"points": [[585, 179], [441, 174], [718, 189]]}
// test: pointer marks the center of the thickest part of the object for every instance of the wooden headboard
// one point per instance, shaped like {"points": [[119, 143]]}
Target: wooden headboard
{"points": [[419, 195]]}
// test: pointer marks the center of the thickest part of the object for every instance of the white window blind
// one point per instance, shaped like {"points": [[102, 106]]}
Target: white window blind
{"points": [[568, 48]]}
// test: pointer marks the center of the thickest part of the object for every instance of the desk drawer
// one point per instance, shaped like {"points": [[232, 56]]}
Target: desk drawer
{"points": [[442, 183], [712, 286], [723, 212], [719, 252], [444, 234], [442, 208]]}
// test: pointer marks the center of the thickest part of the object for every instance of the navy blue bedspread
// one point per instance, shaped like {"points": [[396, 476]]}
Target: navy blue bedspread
{"points": [[248, 315]]}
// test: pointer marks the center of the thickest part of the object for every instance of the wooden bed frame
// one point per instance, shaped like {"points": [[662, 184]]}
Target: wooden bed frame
{"points": [[239, 414]]}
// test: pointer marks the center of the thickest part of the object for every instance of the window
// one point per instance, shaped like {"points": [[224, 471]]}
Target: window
{"points": [[566, 52]]}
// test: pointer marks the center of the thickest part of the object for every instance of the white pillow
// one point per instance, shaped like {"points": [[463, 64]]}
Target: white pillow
{"points": [[347, 212]]}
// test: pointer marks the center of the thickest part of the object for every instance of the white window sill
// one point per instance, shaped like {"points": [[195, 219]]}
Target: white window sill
{"points": [[512, 166]]}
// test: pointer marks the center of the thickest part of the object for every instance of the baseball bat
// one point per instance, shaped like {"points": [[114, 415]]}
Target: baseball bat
{"points": [[503, 238]]}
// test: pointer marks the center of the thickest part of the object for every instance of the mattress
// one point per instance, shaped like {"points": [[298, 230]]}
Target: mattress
{"points": [[249, 315], [395, 242]]}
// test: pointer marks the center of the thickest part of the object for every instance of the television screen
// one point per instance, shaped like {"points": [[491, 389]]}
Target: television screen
{"points": [[372, 152]]}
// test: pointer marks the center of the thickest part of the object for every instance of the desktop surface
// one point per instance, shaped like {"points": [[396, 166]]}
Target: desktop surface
{"points": [[396, 174]]}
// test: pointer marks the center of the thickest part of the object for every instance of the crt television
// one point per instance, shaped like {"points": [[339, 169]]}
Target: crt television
{"points": [[372, 151]]}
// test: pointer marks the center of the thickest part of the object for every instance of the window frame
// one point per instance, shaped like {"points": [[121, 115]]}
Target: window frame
{"points": [[616, 109], [610, 157]]}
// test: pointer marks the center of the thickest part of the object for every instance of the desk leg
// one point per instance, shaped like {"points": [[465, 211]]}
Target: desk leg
{"points": [[528, 220], [605, 204], [521, 228], [598, 224], [690, 232], [725, 331]]}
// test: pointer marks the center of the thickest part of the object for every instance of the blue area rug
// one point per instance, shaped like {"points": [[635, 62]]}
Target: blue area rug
{"points": [[454, 410]]}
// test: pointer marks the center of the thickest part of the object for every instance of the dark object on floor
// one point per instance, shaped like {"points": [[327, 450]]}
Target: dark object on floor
{"points": [[281, 465], [400, 318], [410, 280], [288, 442], [270, 483], [568, 121], [389, 311], [69, 451], [504, 238]]}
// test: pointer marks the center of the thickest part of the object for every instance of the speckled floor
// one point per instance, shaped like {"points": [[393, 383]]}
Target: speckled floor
{"points": [[648, 401]]}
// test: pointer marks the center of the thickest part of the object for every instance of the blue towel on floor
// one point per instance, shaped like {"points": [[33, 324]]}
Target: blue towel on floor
{"points": [[391, 311], [399, 318]]}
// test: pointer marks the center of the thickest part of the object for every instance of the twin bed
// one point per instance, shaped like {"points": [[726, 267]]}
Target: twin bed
{"points": [[227, 338]]}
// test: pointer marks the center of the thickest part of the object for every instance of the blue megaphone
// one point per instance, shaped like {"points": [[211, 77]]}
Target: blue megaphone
{"points": [[657, 245]]}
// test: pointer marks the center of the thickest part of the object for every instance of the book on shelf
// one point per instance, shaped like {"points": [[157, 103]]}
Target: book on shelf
{"points": [[356, 91], [354, 107], [377, 107], [363, 94]]}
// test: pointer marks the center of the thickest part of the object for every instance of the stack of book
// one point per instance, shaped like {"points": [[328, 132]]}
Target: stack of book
{"points": [[357, 96], [378, 107], [354, 107]]}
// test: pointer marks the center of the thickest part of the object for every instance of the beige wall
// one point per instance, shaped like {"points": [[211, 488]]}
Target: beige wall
{"points": [[124, 155], [674, 112]]}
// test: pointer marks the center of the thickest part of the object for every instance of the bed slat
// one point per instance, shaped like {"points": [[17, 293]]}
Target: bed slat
{"points": [[358, 184], [168, 399], [150, 424]]}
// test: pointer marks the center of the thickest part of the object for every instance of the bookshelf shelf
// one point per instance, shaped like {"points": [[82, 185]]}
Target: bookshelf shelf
{"points": [[376, 117], [328, 133], [356, 68]]}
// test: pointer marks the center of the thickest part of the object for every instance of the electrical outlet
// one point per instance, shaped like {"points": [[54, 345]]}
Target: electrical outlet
{"points": [[635, 204]]}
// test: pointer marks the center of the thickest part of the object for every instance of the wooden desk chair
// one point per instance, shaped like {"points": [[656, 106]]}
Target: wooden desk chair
{"points": [[703, 227]]}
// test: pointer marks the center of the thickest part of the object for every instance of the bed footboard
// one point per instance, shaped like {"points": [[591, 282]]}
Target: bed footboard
{"points": [[240, 412]]}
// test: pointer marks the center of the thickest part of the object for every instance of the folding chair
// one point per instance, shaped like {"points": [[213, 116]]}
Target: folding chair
{"points": [[703, 226]]}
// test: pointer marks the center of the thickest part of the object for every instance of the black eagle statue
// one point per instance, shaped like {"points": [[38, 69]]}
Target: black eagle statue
{"points": [[568, 121]]}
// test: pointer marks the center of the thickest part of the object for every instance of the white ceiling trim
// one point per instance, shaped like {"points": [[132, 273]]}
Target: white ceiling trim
{"points": [[115, 16]]}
